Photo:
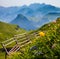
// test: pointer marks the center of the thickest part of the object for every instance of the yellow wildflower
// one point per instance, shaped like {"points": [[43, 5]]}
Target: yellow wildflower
{"points": [[41, 33]]}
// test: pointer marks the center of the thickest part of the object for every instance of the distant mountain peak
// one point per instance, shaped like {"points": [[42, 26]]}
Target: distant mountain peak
{"points": [[29, 17], [23, 22], [19, 16]]}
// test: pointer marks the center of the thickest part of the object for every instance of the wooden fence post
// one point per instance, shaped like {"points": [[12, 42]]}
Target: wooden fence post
{"points": [[5, 50]]}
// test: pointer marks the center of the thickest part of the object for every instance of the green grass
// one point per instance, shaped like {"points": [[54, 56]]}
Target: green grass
{"points": [[2, 55], [48, 46], [8, 31]]}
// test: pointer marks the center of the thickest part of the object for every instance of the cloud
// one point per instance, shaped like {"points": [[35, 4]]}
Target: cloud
{"points": [[8, 3]]}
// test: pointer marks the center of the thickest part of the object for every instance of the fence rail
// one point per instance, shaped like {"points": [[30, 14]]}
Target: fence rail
{"points": [[25, 37]]}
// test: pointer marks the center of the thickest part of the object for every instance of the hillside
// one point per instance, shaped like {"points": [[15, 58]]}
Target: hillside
{"points": [[9, 30], [44, 46], [23, 22]]}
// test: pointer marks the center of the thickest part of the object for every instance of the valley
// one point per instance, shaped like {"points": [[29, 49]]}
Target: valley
{"points": [[36, 28]]}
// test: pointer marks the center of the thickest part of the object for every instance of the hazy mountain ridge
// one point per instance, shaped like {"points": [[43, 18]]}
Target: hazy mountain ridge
{"points": [[36, 14], [31, 10], [23, 22]]}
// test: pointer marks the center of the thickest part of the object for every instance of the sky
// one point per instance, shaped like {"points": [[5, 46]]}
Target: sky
{"points": [[9, 3]]}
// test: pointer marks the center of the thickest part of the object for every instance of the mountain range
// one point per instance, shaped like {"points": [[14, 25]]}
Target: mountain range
{"points": [[29, 17], [23, 22]]}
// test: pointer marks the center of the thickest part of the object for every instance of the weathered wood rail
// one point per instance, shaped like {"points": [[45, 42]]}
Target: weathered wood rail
{"points": [[17, 39]]}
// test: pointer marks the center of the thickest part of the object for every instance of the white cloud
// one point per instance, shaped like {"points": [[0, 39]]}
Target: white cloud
{"points": [[8, 3]]}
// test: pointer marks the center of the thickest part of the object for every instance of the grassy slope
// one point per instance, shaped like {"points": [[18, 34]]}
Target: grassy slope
{"points": [[8, 31], [48, 45]]}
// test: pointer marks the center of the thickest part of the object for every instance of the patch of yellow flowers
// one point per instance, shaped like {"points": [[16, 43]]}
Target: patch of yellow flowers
{"points": [[41, 34]]}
